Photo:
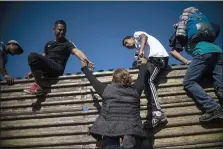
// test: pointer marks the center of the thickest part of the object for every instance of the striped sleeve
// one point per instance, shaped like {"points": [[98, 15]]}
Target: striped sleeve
{"points": [[71, 45]]}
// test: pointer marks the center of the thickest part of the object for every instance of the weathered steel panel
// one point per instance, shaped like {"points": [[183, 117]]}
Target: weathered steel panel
{"points": [[58, 121]]}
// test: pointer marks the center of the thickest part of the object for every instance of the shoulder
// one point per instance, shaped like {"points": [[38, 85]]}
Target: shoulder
{"points": [[70, 43], [138, 33], [2, 45]]}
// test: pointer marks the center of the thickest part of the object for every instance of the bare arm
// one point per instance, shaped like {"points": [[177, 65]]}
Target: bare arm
{"points": [[3, 71], [82, 56], [2, 67], [179, 57], [79, 54], [144, 39], [43, 54]]}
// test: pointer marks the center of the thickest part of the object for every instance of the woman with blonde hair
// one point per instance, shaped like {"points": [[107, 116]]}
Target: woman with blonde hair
{"points": [[120, 111]]}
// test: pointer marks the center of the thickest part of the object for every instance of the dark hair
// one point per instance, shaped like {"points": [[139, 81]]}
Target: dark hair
{"points": [[60, 22], [20, 50], [122, 76], [127, 37]]}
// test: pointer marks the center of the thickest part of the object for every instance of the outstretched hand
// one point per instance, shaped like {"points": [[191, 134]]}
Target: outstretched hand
{"points": [[9, 80], [89, 64], [140, 61], [188, 62], [83, 64], [141, 54], [143, 60], [29, 75]]}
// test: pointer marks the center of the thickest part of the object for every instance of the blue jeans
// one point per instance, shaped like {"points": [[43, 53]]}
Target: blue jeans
{"points": [[207, 63]]}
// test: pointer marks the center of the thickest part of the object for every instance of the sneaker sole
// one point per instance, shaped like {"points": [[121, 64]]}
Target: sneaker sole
{"points": [[40, 93], [161, 122], [220, 116]]}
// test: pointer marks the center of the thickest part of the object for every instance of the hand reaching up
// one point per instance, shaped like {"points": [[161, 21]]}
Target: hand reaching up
{"points": [[143, 60], [90, 65], [83, 64], [9, 80], [140, 61], [29, 75]]}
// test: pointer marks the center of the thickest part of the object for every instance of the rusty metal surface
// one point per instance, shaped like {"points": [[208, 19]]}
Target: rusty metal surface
{"points": [[58, 121]]}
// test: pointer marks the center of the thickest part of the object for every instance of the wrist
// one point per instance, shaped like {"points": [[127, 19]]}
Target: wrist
{"points": [[144, 61], [6, 75], [141, 50], [83, 67], [186, 62]]}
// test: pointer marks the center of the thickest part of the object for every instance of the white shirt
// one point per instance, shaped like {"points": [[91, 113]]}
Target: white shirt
{"points": [[153, 47]]}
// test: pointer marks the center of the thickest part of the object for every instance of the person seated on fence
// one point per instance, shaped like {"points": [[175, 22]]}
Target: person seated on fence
{"points": [[11, 48], [53, 60], [207, 59], [149, 47], [120, 111]]}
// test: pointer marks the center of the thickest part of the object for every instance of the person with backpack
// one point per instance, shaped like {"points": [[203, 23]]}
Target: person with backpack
{"points": [[207, 59], [11, 48], [149, 47], [120, 111]]}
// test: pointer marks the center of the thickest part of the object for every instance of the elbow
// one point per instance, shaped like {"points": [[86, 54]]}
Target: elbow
{"points": [[76, 52], [171, 52], [143, 36]]}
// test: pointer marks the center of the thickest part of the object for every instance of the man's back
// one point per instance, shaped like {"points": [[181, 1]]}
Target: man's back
{"points": [[153, 48], [202, 47]]}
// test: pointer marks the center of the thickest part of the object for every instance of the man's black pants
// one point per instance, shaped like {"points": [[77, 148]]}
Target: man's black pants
{"points": [[114, 143], [47, 66]]}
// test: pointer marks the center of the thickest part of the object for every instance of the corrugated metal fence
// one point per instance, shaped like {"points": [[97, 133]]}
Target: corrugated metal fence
{"points": [[58, 120]]}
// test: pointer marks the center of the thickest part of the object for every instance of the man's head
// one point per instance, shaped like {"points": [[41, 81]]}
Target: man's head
{"points": [[129, 42], [13, 48], [60, 29], [122, 76]]}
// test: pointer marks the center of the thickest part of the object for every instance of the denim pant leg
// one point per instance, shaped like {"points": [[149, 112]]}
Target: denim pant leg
{"points": [[218, 77], [194, 73]]}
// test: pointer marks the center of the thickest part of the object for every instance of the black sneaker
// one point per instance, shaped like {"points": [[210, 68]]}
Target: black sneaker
{"points": [[158, 118], [216, 114]]}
